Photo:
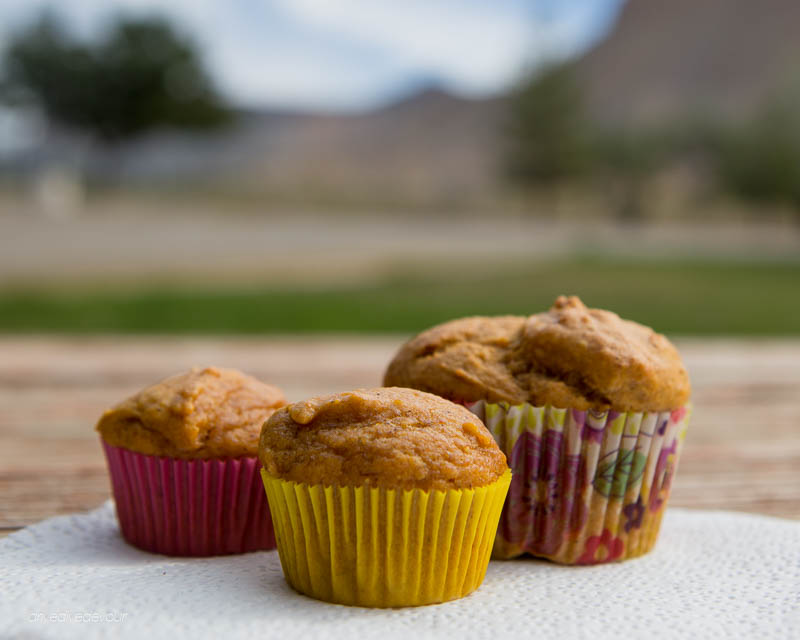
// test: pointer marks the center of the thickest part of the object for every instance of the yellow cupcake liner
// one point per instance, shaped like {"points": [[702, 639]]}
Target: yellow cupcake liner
{"points": [[375, 547]]}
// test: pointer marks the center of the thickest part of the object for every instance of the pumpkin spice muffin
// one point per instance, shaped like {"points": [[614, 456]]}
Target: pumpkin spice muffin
{"points": [[590, 409], [569, 356], [382, 497], [203, 413], [182, 456], [390, 438]]}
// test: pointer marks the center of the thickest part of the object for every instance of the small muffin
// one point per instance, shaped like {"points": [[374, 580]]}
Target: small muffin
{"points": [[182, 456], [203, 413], [382, 497], [591, 410]]}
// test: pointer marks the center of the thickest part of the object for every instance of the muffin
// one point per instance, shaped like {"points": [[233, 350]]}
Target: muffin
{"points": [[382, 497], [590, 409], [182, 456]]}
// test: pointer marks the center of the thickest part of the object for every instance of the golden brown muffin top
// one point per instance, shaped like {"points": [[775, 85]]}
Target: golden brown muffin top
{"points": [[387, 437], [203, 413], [569, 356]]}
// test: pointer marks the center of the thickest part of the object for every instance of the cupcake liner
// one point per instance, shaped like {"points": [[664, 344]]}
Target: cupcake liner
{"points": [[375, 547], [588, 486], [189, 507]]}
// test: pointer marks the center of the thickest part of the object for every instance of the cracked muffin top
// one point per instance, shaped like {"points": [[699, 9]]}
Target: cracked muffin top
{"points": [[203, 413], [387, 437], [569, 356]]}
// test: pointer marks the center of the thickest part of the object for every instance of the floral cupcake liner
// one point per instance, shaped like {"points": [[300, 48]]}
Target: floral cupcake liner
{"points": [[375, 547], [189, 507], [588, 486]]}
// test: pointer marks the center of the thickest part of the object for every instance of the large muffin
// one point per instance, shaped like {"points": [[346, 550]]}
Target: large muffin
{"points": [[182, 455], [590, 410], [382, 497], [202, 413], [569, 356]]}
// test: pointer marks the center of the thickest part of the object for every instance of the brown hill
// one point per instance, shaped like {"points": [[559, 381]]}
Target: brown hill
{"points": [[662, 60], [667, 59], [430, 147]]}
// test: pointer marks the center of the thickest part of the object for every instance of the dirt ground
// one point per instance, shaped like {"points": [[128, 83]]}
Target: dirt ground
{"points": [[153, 242]]}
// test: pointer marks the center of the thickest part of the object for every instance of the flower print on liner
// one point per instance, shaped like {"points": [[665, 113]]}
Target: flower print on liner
{"points": [[616, 471], [517, 518], [541, 500], [593, 425], [678, 414], [588, 432], [546, 494], [611, 549], [665, 469], [634, 514]]}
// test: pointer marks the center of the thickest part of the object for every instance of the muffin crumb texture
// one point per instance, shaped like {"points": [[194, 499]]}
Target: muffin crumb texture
{"points": [[569, 356], [203, 413], [388, 437]]}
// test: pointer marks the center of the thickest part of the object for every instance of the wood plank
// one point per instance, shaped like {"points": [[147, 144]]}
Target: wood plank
{"points": [[742, 452]]}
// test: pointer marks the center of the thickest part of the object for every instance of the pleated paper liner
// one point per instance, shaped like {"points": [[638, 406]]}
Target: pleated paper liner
{"points": [[588, 487], [189, 507], [374, 547]]}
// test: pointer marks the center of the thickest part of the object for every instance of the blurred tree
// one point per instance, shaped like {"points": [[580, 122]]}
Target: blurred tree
{"points": [[626, 159], [548, 134], [760, 161], [141, 75]]}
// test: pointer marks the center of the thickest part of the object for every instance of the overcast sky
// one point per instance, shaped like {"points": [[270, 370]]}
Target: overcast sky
{"points": [[354, 54]]}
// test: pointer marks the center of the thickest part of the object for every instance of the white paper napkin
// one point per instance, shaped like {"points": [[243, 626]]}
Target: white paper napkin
{"points": [[712, 575]]}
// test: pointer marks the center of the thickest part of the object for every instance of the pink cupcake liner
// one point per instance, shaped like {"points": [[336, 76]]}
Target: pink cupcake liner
{"points": [[190, 507]]}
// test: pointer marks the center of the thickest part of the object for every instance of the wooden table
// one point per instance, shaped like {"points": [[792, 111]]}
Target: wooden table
{"points": [[742, 453]]}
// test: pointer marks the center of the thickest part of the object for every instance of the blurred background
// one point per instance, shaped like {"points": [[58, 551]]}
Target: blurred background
{"points": [[292, 166], [291, 187]]}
